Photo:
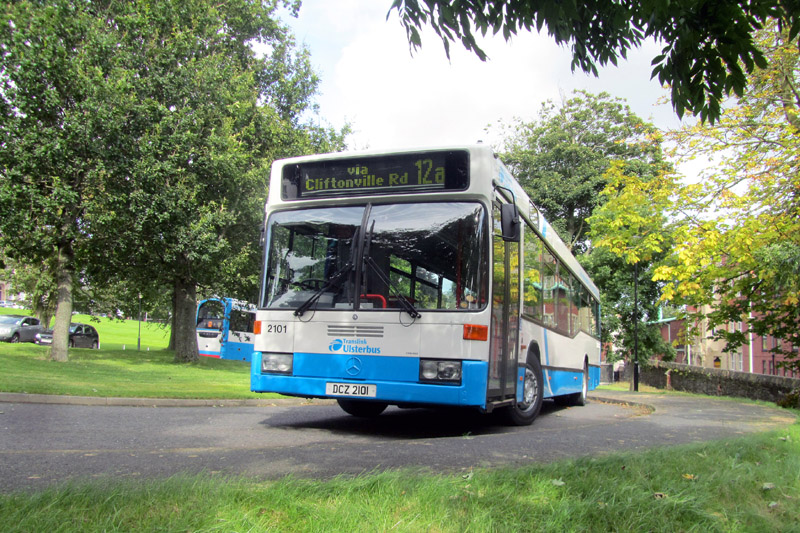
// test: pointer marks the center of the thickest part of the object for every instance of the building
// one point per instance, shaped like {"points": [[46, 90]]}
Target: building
{"points": [[702, 350]]}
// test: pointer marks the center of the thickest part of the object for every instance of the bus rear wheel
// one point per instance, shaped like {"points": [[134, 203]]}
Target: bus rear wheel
{"points": [[526, 411], [361, 408]]}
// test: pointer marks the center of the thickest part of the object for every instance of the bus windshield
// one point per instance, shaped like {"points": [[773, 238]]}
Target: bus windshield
{"points": [[434, 255], [211, 314]]}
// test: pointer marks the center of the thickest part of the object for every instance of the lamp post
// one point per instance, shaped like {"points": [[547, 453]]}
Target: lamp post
{"points": [[636, 326], [139, 340]]}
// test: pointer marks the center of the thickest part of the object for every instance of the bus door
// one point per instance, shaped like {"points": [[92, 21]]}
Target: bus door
{"points": [[505, 315]]}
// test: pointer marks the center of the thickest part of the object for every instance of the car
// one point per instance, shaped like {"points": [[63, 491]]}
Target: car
{"points": [[80, 336], [19, 328]]}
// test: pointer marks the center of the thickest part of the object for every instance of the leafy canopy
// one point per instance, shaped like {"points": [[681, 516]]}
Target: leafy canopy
{"points": [[137, 138], [736, 230], [708, 46], [564, 159], [561, 157]]}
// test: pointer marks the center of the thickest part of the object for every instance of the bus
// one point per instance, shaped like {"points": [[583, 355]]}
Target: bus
{"points": [[419, 278], [225, 328]]}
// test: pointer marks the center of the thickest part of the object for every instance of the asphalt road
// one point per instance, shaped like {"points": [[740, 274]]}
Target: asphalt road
{"points": [[45, 444]]}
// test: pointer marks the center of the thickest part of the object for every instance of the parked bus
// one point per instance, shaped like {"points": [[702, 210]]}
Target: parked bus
{"points": [[225, 328], [419, 278]]}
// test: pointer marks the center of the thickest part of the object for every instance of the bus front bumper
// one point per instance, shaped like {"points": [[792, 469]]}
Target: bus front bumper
{"points": [[395, 380]]}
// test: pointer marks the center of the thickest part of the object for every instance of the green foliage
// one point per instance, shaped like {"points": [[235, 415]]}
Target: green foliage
{"points": [[738, 229], [574, 159], [615, 277], [562, 156], [709, 47], [137, 142]]}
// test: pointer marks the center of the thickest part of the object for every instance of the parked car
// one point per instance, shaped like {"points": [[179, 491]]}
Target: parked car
{"points": [[19, 328], [80, 336]]}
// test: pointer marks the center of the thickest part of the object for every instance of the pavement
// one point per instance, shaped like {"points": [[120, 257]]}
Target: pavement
{"points": [[21, 397], [633, 399]]}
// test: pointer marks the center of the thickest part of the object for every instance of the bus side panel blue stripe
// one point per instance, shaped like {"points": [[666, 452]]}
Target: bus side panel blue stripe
{"points": [[563, 382], [548, 390], [239, 351], [594, 377]]}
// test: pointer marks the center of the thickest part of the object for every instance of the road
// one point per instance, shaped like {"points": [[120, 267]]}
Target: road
{"points": [[45, 444]]}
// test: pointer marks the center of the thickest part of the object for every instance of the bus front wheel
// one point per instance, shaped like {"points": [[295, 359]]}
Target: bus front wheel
{"points": [[525, 411], [360, 408]]}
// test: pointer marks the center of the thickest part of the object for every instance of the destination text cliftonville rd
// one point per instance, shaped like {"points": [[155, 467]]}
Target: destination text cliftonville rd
{"points": [[370, 181]]}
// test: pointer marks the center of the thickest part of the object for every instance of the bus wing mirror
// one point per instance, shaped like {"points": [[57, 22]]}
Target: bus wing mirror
{"points": [[509, 220]]}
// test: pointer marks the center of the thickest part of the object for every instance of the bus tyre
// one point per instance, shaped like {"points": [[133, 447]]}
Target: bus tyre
{"points": [[361, 408], [524, 412]]}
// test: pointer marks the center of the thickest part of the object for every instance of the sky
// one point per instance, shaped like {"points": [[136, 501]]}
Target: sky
{"points": [[395, 99]]}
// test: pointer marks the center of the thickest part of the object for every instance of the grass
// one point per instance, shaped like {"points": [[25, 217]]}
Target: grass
{"points": [[744, 484], [116, 372]]}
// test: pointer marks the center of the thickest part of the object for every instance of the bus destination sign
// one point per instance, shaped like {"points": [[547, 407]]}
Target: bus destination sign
{"points": [[370, 175]]}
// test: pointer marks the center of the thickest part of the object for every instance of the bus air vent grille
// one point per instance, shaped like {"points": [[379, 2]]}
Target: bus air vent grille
{"points": [[355, 331]]}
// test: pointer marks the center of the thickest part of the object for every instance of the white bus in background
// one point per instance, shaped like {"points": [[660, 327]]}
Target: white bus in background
{"points": [[225, 328], [419, 278]]}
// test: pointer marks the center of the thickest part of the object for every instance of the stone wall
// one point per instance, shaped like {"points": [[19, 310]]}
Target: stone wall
{"points": [[716, 382]]}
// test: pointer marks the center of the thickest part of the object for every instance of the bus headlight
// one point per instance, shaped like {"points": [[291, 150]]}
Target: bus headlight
{"points": [[440, 370], [276, 363]]}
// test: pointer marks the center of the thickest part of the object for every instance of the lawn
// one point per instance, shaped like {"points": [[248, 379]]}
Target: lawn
{"points": [[736, 485], [118, 369], [745, 484]]}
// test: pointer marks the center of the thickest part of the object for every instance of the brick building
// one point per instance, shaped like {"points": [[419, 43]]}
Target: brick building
{"points": [[753, 357]]}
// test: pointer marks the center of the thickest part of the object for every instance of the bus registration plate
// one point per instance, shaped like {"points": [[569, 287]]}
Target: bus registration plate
{"points": [[360, 390]]}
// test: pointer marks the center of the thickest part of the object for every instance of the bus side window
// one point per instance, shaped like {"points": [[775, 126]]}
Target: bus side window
{"points": [[549, 288], [532, 277], [241, 321]]}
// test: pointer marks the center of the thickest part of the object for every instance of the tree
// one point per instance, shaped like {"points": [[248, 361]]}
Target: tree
{"points": [[708, 46], [561, 157], [137, 138], [629, 237], [738, 229], [564, 159], [212, 116], [56, 64]]}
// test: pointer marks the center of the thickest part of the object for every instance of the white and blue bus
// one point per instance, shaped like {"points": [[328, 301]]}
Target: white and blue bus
{"points": [[419, 278], [225, 328]]}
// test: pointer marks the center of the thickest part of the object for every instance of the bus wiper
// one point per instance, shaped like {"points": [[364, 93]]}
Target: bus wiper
{"points": [[333, 281], [407, 306]]}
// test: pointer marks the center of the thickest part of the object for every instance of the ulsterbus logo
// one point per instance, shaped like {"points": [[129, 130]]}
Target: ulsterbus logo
{"points": [[336, 345], [352, 346]]}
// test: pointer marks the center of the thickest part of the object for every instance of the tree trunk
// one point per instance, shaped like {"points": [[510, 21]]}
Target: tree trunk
{"points": [[59, 351], [173, 323], [183, 322]]}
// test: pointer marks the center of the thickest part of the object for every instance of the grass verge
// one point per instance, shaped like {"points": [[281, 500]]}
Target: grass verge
{"points": [[121, 373], [118, 369], [744, 484]]}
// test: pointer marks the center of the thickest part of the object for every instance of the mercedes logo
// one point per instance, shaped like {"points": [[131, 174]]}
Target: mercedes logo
{"points": [[353, 366]]}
